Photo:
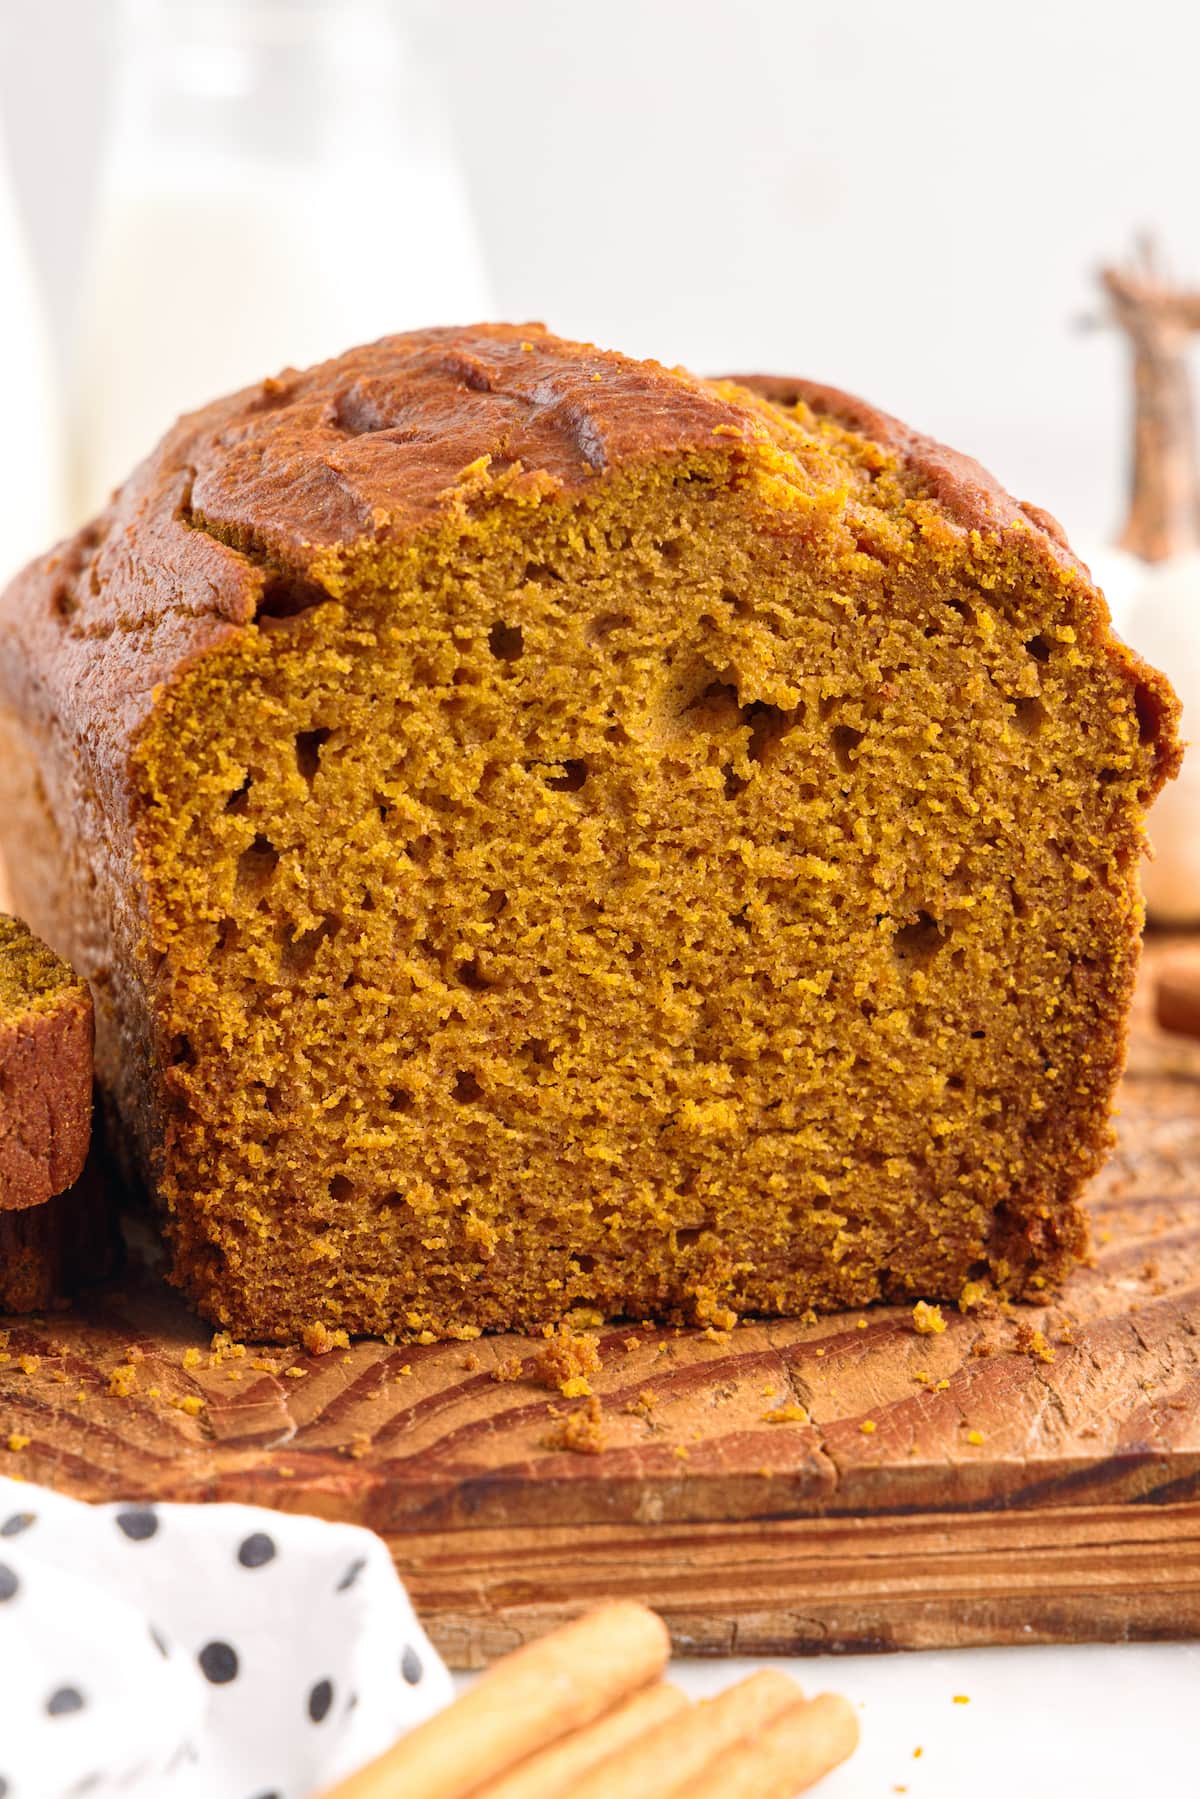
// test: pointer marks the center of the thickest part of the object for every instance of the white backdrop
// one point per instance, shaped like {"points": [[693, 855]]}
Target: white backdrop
{"points": [[904, 199]]}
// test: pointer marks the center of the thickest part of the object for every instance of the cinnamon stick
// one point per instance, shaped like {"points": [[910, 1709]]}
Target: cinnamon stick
{"points": [[685, 1745], [532, 1698], [1177, 998], [794, 1749], [554, 1772]]}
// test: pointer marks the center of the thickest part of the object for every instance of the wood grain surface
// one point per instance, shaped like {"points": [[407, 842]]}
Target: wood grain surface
{"points": [[1009, 1491]]}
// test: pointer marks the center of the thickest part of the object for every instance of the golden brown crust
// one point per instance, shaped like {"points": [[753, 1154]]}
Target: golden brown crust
{"points": [[974, 500], [45, 1071], [373, 445]]}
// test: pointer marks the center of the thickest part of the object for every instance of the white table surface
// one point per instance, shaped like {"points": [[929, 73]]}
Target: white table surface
{"points": [[1096, 1721]]}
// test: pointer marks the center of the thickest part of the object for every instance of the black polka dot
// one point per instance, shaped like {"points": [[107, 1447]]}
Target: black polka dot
{"points": [[8, 1582], [139, 1526], [160, 1642], [218, 1663], [12, 1527], [257, 1550], [319, 1700], [352, 1573], [411, 1665], [64, 1701]]}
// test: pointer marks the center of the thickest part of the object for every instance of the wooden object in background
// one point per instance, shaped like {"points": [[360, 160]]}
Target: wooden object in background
{"points": [[1177, 996], [1075, 1515], [1158, 320]]}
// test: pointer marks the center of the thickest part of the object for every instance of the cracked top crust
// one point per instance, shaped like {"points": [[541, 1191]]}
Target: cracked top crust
{"points": [[376, 444]]}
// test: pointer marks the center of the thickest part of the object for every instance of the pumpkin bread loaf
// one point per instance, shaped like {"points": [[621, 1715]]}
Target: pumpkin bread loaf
{"points": [[547, 831]]}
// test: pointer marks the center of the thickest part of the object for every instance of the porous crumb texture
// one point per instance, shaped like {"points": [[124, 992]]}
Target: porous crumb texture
{"points": [[33, 980], [702, 879]]}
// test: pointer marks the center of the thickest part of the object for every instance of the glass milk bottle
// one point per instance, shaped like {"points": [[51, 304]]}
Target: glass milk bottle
{"points": [[279, 187], [32, 511]]}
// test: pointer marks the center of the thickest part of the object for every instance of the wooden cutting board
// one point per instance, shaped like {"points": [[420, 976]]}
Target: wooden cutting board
{"points": [[1003, 1497]]}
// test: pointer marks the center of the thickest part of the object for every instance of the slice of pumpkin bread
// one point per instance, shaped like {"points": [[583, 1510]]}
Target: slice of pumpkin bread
{"points": [[45, 1070], [545, 830]]}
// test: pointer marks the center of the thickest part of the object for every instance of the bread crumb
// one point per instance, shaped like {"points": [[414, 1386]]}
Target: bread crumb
{"points": [[975, 1438], [708, 1310], [471, 1362], [191, 1403], [318, 1339], [511, 1368], [565, 1361], [191, 1358], [295, 1372], [941, 1386], [643, 1405], [632, 1343], [1033, 1342], [868, 1427], [581, 1431], [961, 1699], [17, 1441], [927, 1320], [359, 1446], [787, 1414], [29, 1364], [683, 1452], [154, 1392], [818, 1352], [122, 1380]]}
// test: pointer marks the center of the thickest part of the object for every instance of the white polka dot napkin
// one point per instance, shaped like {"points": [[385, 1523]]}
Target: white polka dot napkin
{"points": [[198, 1651]]}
